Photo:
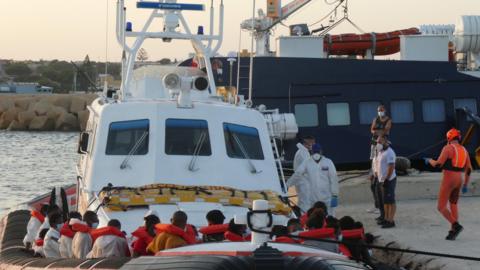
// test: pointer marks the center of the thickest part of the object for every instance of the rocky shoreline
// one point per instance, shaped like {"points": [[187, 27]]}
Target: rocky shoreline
{"points": [[57, 112]]}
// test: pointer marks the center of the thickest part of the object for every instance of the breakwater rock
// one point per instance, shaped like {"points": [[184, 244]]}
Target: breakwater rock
{"points": [[58, 112]]}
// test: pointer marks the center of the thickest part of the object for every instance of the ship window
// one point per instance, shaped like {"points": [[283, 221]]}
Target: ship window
{"points": [[470, 103], [367, 111], [183, 136], [128, 137], [402, 111], [306, 115], [338, 114], [242, 142], [433, 110]]}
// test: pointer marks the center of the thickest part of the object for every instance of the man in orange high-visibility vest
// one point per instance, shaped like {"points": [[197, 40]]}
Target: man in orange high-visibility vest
{"points": [[455, 162]]}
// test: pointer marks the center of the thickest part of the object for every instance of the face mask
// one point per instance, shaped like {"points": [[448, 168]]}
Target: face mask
{"points": [[379, 147], [316, 156], [59, 226], [94, 225], [381, 114]]}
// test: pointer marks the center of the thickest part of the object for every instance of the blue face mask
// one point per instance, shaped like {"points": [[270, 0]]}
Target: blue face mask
{"points": [[94, 225]]}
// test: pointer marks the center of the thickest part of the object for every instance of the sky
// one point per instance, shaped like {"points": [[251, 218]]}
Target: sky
{"points": [[71, 29]]}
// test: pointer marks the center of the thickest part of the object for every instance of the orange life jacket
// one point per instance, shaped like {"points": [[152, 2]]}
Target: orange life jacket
{"points": [[109, 230], [38, 216], [233, 237], [79, 227], [141, 233], [323, 233], [214, 229], [66, 231], [188, 234], [350, 234]]}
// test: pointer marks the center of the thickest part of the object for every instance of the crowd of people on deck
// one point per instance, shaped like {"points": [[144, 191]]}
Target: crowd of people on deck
{"points": [[50, 236]]}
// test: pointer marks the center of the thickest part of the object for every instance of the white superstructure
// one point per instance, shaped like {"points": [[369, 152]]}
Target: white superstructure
{"points": [[168, 126]]}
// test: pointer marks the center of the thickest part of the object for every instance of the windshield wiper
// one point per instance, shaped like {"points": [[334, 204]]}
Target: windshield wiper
{"points": [[253, 169], [133, 150], [196, 152]]}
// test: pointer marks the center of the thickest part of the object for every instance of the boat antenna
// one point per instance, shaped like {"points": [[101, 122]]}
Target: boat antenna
{"points": [[250, 74], [238, 63], [105, 83]]}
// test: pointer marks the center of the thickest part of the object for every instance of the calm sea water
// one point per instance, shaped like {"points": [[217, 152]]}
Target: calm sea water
{"points": [[31, 163]]}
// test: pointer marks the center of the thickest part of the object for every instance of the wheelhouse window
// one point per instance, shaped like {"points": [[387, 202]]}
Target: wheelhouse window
{"points": [[242, 142], [433, 110], [402, 111], [187, 137], [338, 114], [128, 138], [367, 110], [306, 115], [470, 103]]}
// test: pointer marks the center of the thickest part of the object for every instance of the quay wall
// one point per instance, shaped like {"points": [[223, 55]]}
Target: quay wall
{"points": [[56, 112]]}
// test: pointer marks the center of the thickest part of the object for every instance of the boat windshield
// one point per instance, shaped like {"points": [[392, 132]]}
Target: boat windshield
{"points": [[248, 139], [122, 137], [182, 137]]}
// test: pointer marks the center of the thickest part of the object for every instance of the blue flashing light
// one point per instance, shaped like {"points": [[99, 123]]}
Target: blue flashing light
{"points": [[128, 27], [200, 30], [172, 6]]}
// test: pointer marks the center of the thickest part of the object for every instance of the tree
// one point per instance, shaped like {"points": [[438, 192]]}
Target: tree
{"points": [[17, 69], [142, 55]]}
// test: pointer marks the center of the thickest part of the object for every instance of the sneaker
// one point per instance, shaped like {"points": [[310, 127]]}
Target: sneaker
{"points": [[381, 222], [379, 218], [388, 225], [456, 230]]}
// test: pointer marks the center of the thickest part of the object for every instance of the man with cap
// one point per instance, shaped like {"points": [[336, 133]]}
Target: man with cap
{"points": [[145, 234], [320, 175], [455, 162]]}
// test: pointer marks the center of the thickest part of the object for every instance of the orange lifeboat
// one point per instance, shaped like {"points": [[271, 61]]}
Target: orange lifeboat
{"points": [[355, 44]]}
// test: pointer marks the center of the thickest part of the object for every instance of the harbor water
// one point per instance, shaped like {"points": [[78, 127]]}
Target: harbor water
{"points": [[31, 163]]}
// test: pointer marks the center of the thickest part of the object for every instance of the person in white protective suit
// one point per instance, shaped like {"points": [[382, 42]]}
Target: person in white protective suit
{"points": [[321, 176], [51, 247], [67, 234], [109, 242], [36, 220], [82, 241], [301, 183]]}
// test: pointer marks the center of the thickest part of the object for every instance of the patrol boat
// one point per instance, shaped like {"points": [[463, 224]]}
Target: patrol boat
{"points": [[170, 140]]}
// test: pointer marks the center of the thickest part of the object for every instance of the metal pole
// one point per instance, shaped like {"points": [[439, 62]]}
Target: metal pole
{"points": [[250, 74]]}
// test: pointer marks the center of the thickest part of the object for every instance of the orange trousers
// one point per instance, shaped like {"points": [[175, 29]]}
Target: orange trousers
{"points": [[450, 192]]}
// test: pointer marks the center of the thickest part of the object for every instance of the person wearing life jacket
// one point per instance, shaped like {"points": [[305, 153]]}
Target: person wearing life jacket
{"points": [[280, 233], [235, 232], [51, 247], [215, 230], [109, 241], [36, 220], [301, 184], [455, 161], [82, 241], [52, 209], [316, 205], [316, 229], [380, 127], [353, 238], [67, 234], [322, 179], [144, 235], [173, 235]]}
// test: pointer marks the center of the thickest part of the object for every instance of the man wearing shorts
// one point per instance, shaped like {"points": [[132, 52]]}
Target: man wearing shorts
{"points": [[387, 178], [455, 161]]}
